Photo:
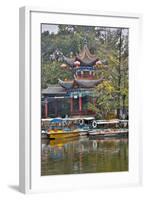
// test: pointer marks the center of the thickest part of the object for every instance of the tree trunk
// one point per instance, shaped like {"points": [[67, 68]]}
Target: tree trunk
{"points": [[119, 72]]}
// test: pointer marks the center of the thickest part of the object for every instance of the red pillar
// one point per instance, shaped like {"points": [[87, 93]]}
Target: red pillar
{"points": [[71, 103], [46, 108], [80, 103]]}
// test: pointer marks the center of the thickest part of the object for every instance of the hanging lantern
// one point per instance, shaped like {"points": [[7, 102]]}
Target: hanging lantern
{"points": [[77, 63], [63, 65], [98, 63]]}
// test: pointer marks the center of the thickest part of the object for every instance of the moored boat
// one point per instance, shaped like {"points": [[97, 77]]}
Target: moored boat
{"points": [[63, 135], [92, 132], [108, 132], [83, 132], [58, 130]]}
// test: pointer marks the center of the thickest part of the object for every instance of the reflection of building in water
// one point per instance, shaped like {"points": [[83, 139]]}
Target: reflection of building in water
{"points": [[44, 160], [85, 156], [57, 153]]}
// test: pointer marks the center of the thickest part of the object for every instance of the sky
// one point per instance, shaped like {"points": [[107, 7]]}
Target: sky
{"points": [[50, 27]]}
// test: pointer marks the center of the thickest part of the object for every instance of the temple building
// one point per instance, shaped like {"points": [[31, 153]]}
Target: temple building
{"points": [[71, 97]]}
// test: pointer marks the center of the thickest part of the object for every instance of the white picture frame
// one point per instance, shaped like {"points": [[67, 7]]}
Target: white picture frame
{"points": [[30, 178]]}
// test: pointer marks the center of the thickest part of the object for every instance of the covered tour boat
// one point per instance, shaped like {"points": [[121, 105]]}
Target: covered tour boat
{"points": [[108, 128], [62, 128]]}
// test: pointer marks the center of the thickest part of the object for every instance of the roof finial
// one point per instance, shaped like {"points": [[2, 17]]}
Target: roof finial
{"points": [[85, 40]]}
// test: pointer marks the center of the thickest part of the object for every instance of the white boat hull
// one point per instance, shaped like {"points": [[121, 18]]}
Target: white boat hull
{"points": [[83, 133]]}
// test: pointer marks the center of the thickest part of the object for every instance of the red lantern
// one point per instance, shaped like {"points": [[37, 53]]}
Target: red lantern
{"points": [[98, 62], [63, 65], [77, 63]]}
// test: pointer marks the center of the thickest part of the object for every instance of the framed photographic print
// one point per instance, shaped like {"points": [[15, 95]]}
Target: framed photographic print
{"points": [[79, 100]]}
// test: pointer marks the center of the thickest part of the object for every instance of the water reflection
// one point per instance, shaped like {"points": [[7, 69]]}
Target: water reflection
{"points": [[84, 155]]}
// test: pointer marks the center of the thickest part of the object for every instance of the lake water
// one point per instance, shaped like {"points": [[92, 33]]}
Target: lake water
{"points": [[84, 155]]}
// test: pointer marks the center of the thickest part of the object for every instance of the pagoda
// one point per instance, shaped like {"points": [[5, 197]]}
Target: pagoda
{"points": [[70, 97]]}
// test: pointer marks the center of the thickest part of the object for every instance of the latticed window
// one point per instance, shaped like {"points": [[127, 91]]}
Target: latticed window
{"points": [[86, 74]]}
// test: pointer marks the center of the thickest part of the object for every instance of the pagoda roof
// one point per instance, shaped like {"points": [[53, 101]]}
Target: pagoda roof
{"points": [[88, 83], [54, 89], [69, 61], [66, 84], [85, 58]]}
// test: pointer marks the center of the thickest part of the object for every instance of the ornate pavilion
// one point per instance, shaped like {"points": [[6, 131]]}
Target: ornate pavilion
{"points": [[71, 97]]}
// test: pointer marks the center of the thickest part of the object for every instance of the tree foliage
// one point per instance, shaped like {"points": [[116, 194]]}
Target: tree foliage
{"points": [[52, 71], [109, 44]]}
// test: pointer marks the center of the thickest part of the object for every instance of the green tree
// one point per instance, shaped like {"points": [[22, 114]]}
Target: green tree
{"points": [[109, 44], [51, 71]]}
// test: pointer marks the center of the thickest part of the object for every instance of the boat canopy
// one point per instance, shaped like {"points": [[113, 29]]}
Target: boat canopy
{"points": [[79, 118], [108, 122], [50, 119], [89, 118], [46, 119], [56, 120]]}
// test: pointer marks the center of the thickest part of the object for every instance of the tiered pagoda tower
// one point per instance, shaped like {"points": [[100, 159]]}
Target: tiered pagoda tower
{"points": [[78, 91]]}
